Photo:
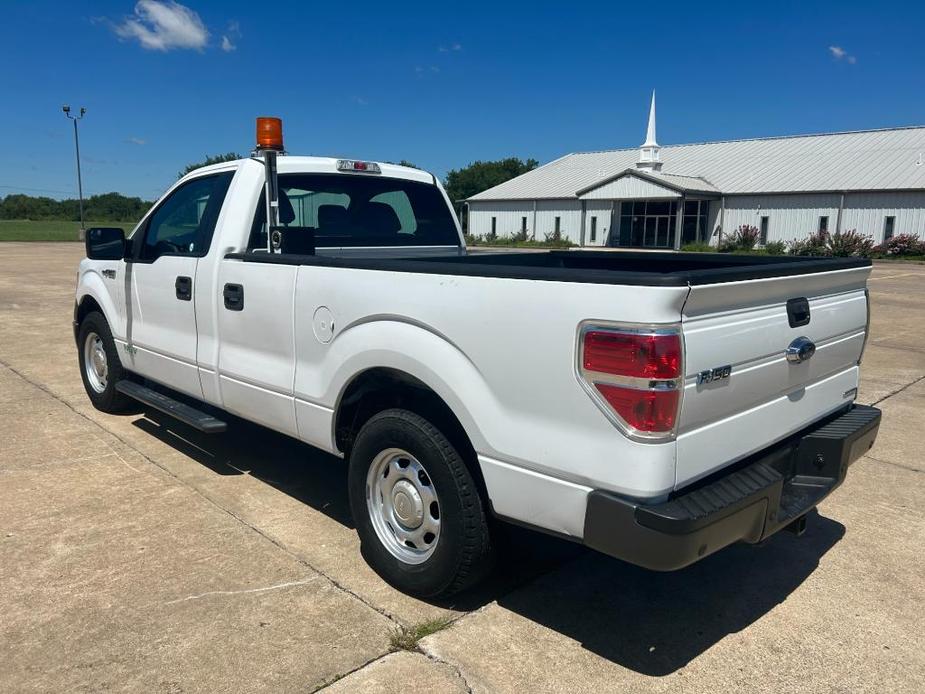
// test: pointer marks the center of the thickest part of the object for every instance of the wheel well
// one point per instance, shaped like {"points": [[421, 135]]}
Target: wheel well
{"points": [[87, 306], [380, 389]]}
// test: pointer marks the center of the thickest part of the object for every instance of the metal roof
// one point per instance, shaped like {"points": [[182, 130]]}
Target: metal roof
{"points": [[685, 184], [888, 159]]}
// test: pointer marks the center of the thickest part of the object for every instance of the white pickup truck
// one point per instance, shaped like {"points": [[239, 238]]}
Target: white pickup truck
{"points": [[656, 407]]}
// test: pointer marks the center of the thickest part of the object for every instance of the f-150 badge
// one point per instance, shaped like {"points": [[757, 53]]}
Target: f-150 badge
{"points": [[720, 373]]}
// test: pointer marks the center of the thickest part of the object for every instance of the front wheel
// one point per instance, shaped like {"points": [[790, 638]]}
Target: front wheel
{"points": [[100, 367], [416, 507]]}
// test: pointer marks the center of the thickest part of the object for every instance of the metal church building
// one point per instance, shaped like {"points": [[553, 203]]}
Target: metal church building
{"points": [[663, 197]]}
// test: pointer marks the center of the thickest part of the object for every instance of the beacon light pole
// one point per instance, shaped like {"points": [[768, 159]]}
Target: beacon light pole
{"points": [[269, 145]]}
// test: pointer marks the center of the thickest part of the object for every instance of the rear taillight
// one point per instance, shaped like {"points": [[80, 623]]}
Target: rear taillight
{"points": [[644, 410], [635, 376], [631, 354]]}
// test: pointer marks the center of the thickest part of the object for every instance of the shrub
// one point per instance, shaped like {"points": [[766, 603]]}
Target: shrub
{"points": [[517, 240], [901, 245], [815, 244], [775, 248], [745, 238], [554, 237], [699, 247], [843, 244]]}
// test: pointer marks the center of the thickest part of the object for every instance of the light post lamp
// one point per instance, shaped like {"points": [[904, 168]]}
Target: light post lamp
{"points": [[80, 188]]}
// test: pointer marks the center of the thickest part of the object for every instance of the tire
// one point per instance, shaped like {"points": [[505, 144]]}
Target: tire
{"points": [[460, 550], [100, 383]]}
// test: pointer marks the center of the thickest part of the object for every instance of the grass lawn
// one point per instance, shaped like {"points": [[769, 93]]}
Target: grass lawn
{"points": [[51, 230]]}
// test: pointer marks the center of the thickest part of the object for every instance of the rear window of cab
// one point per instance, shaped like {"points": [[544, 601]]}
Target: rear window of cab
{"points": [[348, 210]]}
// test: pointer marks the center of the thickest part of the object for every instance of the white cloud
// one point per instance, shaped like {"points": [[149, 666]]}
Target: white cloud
{"points": [[455, 46], [840, 53], [163, 25], [136, 141], [360, 101], [232, 34]]}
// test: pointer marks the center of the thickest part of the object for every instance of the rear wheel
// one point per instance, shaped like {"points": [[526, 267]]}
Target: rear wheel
{"points": [[416, 507], [100, 367]]}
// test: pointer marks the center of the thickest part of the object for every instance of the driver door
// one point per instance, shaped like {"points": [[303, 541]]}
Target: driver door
{"points": [[161, 337]]}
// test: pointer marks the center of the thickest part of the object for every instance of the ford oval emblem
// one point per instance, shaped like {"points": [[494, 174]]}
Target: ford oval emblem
{"points": [[800, 350]]}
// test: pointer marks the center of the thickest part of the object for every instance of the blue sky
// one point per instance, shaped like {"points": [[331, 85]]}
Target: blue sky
{"points": [[439, 84]]}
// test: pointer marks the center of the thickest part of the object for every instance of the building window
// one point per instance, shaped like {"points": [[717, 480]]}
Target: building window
{"points": [[823, 225], [764, 231], [523, 225], [888, 226], [648, 224], [494, 226], [694, 222], [593, 229], [558, 225]]}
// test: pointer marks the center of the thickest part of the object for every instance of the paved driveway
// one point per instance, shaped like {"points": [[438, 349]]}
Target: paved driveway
{"points": [[138, 555]]}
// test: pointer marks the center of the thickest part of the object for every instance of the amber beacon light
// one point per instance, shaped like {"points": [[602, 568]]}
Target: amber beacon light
{"points": [[269, 133]]}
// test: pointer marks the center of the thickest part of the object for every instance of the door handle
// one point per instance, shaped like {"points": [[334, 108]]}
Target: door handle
{"points": [[798, 312], [234, 297], [184, 287]]}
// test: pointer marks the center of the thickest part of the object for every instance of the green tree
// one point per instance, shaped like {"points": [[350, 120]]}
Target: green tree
{"points": [[403, 162], [109, 207], [481, 175], [214, 159]]}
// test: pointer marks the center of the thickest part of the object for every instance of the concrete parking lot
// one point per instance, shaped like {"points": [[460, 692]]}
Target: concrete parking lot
{"points": [[136, 555]]}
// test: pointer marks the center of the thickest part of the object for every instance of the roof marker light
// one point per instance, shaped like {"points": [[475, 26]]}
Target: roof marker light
{"points": [[359, 166]]}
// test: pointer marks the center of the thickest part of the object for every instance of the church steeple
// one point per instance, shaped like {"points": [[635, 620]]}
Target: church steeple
{"points": [[648, 152]]}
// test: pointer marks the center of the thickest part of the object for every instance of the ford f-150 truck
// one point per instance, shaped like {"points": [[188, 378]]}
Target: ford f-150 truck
{"points": [[656, 407]]}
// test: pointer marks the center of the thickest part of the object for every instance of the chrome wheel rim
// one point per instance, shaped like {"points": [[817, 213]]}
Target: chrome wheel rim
{"points": [[403, 506], [95, 363]]}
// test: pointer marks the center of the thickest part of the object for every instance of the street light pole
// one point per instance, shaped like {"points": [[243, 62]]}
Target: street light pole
{"points": [[80, 188]]}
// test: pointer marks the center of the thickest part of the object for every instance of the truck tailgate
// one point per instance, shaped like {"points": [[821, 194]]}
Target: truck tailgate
{"points": [[746, 326]]}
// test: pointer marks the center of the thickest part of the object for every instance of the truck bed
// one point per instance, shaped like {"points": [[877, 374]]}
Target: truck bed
{"points": [[593, 267]]}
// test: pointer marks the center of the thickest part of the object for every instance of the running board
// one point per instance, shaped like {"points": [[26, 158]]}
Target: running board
{"points": [[197, 419]]}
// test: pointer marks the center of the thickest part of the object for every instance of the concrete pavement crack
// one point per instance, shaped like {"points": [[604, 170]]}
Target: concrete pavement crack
{"points": [[454, 668], [898, 390], [890, 462], [334, 680]]}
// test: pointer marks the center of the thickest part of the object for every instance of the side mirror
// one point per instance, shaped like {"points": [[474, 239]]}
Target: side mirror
{"points": [[105, 243]]}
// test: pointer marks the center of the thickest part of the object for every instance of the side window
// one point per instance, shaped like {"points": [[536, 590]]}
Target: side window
{"points": [[184, 222], [401, 205], [305, 205]]}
